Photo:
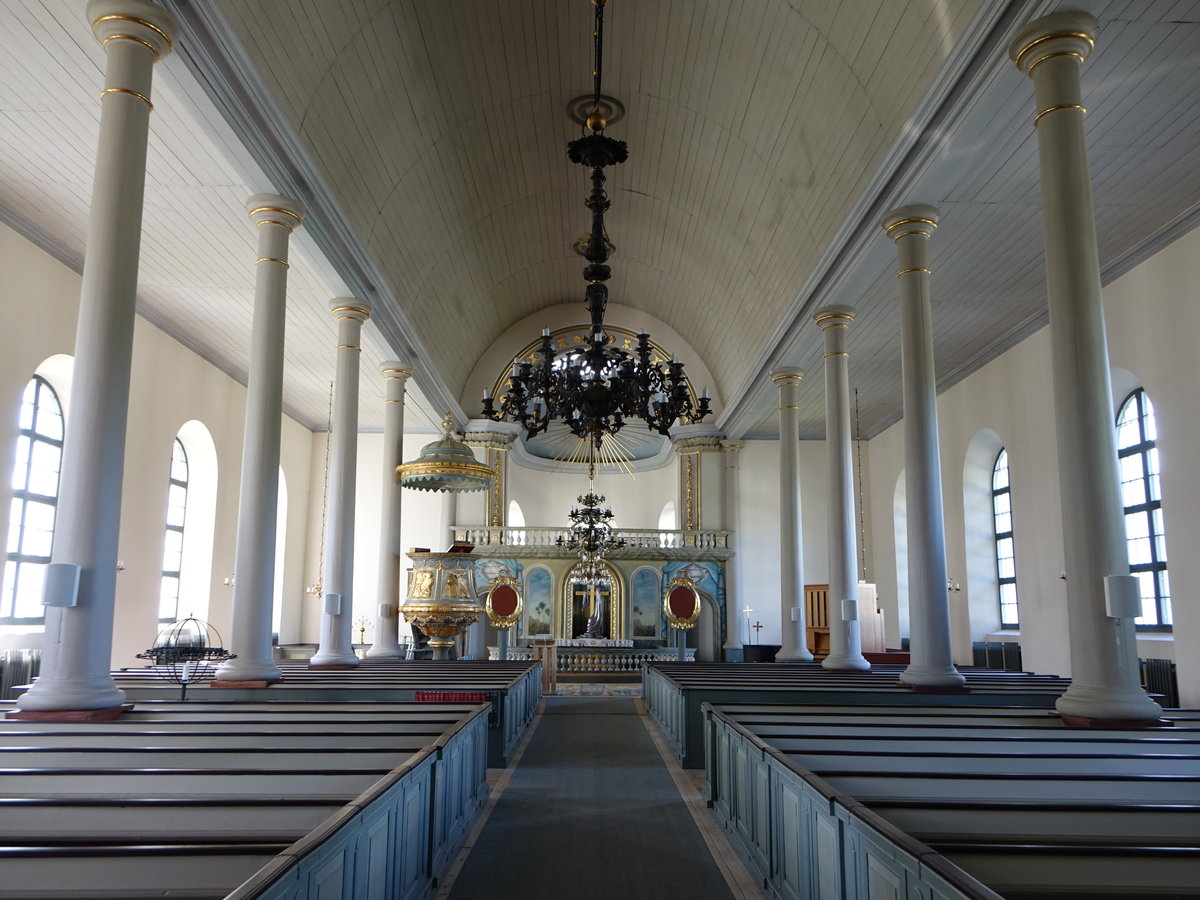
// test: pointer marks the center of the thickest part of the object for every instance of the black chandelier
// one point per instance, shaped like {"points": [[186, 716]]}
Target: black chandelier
{"points": [[594, 388], [590, 532]]}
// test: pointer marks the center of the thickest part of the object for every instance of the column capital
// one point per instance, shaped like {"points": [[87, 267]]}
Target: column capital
{"points": [[696, 438], [1067, 33], [395, 370], [138, 21], [834, 316], [917, 218], [787, 375], [274, 209], [350, 308], [491, 435]]}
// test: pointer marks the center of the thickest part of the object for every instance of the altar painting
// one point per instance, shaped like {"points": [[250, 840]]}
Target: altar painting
{"points": [[539, 608], [579, 606], [646, 602]]}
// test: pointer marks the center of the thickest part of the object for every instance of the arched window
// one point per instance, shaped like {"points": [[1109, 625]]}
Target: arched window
{"points": [[34, 503], [1140, 494], [1006, 561], [168, 598]]}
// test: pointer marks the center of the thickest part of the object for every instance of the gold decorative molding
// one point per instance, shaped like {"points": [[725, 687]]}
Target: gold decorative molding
{"points": [[278, 209], [1041, 59], [261, 222], [349, 346], [118, 17], [835, 353], [1058, 35], [914, 269], [282, 262], [911, 220], [1050, 109], [130, 93], [129, 37]]}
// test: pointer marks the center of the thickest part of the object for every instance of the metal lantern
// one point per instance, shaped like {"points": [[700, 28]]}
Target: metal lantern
{"points": [[441, 595]]}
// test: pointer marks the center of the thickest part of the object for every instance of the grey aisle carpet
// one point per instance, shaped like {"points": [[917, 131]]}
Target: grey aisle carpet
{"points": [[590, 813]]}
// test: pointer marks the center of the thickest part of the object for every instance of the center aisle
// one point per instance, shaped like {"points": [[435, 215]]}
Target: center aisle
{"points": [[590, 813]]}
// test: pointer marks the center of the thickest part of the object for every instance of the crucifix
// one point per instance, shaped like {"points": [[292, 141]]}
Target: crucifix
{"points": [[757, 626]]}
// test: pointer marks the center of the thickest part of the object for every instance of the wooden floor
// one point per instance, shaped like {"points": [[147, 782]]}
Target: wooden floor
{"points": [[596, 802]]}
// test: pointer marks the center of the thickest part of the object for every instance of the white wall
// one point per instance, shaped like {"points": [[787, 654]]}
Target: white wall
{"points": [[758, 544], [1152, 317], [171, 385]]}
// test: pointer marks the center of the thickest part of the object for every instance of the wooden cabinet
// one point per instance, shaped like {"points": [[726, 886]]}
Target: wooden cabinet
{"points": [[816, 619]]}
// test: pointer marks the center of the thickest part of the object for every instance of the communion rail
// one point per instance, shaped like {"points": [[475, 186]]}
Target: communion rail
{"points": [[595, 661]]}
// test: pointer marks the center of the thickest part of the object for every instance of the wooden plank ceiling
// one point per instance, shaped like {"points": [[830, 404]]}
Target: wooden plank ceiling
{"points": [[763, 136]]}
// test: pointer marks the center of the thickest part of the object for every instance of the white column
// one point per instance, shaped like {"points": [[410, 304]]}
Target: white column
{"points": [[274, 217], [734, 620], [932, 661], [792, 637], [1104, 671], [337, 646], [77, 653], [845, 646], [387, 608]]}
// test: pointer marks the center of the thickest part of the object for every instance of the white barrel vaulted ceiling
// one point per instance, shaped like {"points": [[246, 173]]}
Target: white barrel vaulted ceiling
{"points": [[427, 140]]}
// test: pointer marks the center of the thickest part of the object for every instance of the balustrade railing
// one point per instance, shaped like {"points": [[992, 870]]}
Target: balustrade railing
{"points": [[635, 538], [593, 660]]}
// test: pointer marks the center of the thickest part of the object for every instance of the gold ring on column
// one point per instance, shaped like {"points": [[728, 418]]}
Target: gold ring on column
{"points": [[1050, 109], [129, 37], [914, 269], [127, 91], [120, 18], [282, 262], [1042, 59]]}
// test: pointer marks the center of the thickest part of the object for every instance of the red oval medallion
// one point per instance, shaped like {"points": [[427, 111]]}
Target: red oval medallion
{"points": [[504, 600], [682, 602]]}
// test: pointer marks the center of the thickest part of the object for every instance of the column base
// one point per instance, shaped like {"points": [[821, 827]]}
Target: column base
{"points": [[326, 658], [793, 654], [846, 663], [385, 652], [69, 715], [1107, 704], [251, 683], [241, 670], [54, 695], [920, 677]]}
